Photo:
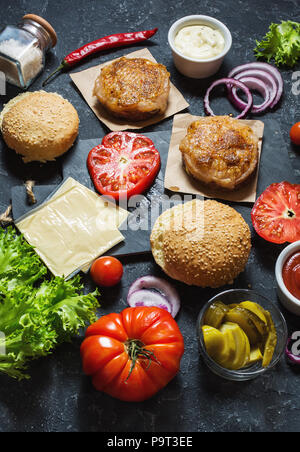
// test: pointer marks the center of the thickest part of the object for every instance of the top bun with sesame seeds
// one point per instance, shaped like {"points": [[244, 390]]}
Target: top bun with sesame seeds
{"points": [[201, 243], [40, 126]]}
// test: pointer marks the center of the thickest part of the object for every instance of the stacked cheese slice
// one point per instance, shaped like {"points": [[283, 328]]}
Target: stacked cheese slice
{"points": [[73, 228]]}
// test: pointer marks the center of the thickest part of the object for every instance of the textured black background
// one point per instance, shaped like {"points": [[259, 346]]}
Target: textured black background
{"points": [[58, 397]]}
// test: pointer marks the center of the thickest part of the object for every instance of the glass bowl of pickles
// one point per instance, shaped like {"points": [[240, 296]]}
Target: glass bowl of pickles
{"points": [[241, 334]]}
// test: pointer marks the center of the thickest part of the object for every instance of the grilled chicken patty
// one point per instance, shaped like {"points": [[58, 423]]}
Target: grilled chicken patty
{"points": [[220, 150], [133, 88]]}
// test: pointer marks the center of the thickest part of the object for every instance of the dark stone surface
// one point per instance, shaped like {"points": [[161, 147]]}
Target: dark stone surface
{"points": [[58, 397]]}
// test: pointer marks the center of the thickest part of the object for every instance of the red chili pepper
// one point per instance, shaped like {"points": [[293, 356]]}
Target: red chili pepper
{"points": [[108, 42]]}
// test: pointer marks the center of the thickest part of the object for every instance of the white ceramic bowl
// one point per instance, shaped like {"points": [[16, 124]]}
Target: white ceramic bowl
{"points": [[195, 68], [287, 299]]}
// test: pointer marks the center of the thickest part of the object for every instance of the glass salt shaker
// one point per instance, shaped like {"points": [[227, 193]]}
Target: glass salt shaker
{"points": [[23, 49]]}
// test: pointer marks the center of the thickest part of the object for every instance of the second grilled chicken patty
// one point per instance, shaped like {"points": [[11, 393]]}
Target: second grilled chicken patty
{"points": [[220, 150], [133, 88]]}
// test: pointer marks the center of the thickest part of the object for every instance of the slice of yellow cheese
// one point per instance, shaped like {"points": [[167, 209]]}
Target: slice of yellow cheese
{"points": [[73, 228]]}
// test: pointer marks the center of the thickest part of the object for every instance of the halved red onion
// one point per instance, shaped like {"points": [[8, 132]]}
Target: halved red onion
{"points": [[164, 289], [265, 84], [149, 298], [271, 70], [229, 81]]}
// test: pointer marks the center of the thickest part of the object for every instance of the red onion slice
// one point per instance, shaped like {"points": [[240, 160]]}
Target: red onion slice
{"points": [[253, 84], [261, 77], [289, 354], [168, 292], [148, 298], [229, 81], [266, 68]]}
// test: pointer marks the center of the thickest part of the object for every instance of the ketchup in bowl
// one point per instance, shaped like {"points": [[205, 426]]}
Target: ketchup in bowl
{"points": [[291, 274]]}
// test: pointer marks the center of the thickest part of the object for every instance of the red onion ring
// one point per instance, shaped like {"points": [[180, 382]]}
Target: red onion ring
{"points": [[262, 77], [234, 82], [166, 291], [253, 84], [266, 68]]}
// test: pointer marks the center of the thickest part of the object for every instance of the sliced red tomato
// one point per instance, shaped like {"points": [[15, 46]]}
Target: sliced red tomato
{"points": [[276, 213], [125, 164]]}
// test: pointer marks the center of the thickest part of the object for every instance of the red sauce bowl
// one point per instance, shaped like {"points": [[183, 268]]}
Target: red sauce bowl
{"points": [[287, 274]]}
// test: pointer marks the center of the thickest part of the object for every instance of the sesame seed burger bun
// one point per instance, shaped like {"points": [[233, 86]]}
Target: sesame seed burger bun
{"points": [[201, 243], [40, 126]]}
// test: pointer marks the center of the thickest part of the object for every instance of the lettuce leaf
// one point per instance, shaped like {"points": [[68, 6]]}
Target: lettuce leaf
{"points": [[36, 313], [19, 264], [281, 43]]}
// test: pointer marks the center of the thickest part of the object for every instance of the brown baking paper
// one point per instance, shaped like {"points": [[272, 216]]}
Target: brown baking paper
{"points": [[177, 179], [85, 81]]}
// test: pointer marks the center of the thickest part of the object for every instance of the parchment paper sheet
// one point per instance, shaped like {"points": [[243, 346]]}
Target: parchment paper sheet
{"points": [[85, 81], [177, 179]]}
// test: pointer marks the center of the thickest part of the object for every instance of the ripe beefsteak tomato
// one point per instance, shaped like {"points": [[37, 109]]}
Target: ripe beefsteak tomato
{"points": [[133, 355]]}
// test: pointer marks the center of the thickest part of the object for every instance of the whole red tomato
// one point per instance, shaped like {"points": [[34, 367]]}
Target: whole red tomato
{"points": [[295, 133], [134, 354], [107, 271]]}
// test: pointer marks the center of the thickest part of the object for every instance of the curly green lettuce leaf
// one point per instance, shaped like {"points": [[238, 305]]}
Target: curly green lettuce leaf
{"points": [[281, 43], [36, 314], [65, 308], [52, 314], [19, 264]]}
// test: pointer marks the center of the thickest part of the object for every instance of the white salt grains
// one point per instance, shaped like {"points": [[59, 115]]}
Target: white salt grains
{"points": [[25, 61]]}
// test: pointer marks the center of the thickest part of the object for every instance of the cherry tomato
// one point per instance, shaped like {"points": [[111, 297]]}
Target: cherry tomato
{"points": [[276, 213], [295, 134], [125, 164], [107, 271], [134, 354]]}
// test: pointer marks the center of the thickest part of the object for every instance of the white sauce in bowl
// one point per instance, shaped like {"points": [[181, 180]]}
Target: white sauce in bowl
{"points": [[200, 42]]}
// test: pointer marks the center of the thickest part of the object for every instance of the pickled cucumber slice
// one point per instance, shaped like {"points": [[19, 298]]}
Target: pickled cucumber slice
{"points": [[248, 350], [255, 355], [244, 319], [219, 347], [215, 314], [271, 341], [227, 357], [261, 325], [269, 346], [214, 341], [255, 308], [241, 345]]}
